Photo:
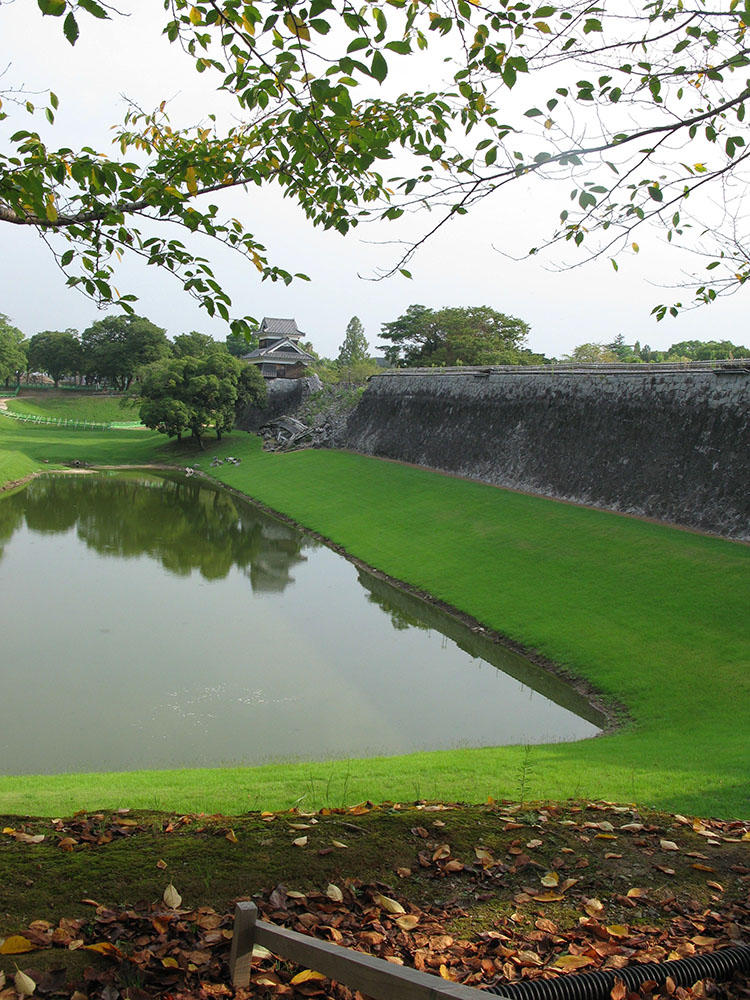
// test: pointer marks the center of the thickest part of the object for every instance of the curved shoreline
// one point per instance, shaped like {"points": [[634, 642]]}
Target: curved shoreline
{"points": [[633, 610], [616, 714]]}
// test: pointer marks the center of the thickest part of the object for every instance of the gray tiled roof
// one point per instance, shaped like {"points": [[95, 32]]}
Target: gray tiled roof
{"points": [[276, 327], [285, 358], [274, 353], [280, 357]]}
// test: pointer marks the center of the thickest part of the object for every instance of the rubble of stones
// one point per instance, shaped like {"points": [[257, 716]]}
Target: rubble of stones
{"points": [[286, 433]]}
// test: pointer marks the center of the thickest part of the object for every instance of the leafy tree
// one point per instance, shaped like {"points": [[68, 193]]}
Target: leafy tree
{"points": [[592, 354], [685, 350], [56, 352], [623, 352], [194, 344], [251, 387], [708, 350], [327, 370], [474, 335], [654, 126], [160, 397], [308, 348], [12, 351], [404, 330], [239, 344], [354, 363], [116, 346], [211, 383], [194, 393], [355, 347]]}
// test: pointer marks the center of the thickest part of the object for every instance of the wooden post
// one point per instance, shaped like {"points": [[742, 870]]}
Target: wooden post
{"points": [[374, 977], [241, 955]]}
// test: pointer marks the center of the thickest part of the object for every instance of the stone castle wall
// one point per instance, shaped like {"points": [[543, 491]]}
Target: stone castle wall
{"points": [[667, 444]]}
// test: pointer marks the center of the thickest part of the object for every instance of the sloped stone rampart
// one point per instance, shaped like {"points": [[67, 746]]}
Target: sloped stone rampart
{"points": [[671, 445], [285, 396]]}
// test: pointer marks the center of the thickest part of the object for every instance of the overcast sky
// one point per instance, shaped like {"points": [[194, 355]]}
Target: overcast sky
{"points": [[458, 267]]}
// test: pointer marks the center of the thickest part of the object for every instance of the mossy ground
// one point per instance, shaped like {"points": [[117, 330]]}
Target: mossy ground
{"points": [[211, 866]]}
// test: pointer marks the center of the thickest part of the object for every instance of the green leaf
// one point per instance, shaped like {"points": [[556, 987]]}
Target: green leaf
{"points": [[66, 258], [656, 193], [54, 8], [70, 29], [379, 68], [592, 24], [297, 27], [93, 8]]}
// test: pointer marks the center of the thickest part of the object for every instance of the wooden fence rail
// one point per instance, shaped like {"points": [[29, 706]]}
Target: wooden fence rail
{"points": [[372, 976]]}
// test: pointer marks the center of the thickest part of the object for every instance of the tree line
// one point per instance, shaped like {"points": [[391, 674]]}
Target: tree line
{"points": [[191, 383], [112, 351], [480, 335], [684, 350]]}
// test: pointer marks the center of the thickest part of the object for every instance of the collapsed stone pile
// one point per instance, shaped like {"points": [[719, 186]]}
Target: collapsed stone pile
{"points": [[286, 433]]}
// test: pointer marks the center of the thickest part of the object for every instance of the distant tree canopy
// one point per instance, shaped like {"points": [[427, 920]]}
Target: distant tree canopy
{"points": [[353, 364], [700, 350], [684, 350], [196, 393], [194, 344], [110, 352], [355, 347], [115, 347], [12, 350], [57, 352], [239, 344], [473, 335], [590, 354]]}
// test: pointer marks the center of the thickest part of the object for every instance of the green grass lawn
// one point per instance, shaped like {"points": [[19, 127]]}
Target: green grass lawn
{"points": [[73, 406], [654, 617]]}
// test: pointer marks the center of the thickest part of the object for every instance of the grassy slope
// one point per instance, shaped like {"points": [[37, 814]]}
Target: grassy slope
{"points": [[73, 406], [653, 616]]}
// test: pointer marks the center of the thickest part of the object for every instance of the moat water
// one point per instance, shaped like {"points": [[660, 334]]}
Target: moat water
{"points": [[159, 622]]}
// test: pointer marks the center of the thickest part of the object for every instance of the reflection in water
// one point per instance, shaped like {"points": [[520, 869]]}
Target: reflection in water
{"points": [[185, 524], [407, 611], [164, 622]]}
